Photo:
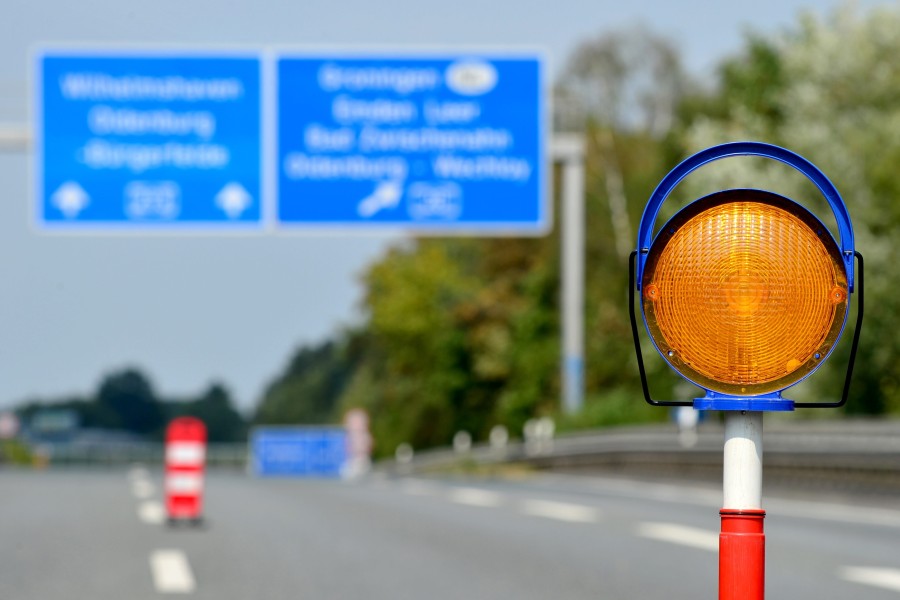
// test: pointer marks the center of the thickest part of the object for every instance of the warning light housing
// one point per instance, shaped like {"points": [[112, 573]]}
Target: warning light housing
{"points": [[744, 292]]}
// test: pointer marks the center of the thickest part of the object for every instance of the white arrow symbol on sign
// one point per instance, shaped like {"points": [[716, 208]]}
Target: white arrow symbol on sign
{"points": [[70, 199], [387, 194], [233, 199]]}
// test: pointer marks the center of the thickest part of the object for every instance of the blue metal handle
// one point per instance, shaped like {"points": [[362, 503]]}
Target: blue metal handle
{"points": [[668, 183]]}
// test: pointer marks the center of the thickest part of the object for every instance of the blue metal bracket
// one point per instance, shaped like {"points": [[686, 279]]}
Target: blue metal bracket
{"points": [[665, 187], [767, 403]]}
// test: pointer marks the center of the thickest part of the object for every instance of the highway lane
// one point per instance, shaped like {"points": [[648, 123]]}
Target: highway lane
{"points": [[69, 535], [99, 535]]}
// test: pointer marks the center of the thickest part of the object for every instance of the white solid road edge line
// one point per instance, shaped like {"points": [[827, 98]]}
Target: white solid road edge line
{"points": [[680, 534], [888, 579], [561, 511], [171, 572]]}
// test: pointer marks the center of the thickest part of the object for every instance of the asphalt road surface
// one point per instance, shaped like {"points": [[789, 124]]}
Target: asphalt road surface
{"points": [[101, 535]]}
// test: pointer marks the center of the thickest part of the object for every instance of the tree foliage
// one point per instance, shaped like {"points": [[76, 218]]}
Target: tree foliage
{"points": [[125, 400], [829, 89], [307, 391], [129, 400], [462, 334], [215, 408]]}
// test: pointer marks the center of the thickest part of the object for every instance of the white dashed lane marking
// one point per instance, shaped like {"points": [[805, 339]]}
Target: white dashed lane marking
{"points": [[171, 572], [136, 473], [561, 511], [141, 488], [476, 497], [416, 487], [681, 535], [888, 579], [672, 533], [151, 512]]}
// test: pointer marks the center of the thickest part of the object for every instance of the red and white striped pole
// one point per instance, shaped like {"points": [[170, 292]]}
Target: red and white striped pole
{"points": [[742, 543], [185, 461]]}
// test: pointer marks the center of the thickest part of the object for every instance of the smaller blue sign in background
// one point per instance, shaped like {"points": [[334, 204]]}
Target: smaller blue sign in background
{"points": [[298, 451], [148, 140]]}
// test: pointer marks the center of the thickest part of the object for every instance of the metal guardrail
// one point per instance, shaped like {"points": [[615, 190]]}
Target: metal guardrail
{"points": [[226, 456], [863, 455]]}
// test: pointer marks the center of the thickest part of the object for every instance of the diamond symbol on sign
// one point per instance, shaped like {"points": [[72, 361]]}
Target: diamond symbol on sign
{"points": [[70, 199], [233, 199]]}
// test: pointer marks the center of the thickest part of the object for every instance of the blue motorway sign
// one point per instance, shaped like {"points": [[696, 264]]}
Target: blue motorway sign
{"points": [[298, 451], [147, 140], [427, 142]]}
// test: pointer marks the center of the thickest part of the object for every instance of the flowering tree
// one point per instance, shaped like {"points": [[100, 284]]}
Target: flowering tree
{"points": [[828, 89]]}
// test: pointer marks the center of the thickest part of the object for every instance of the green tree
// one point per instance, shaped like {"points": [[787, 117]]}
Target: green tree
{"points": [[464, 333], [309, 388], [415, 375], [215, 408], [828, 88], [622, 91], [127, 401]]}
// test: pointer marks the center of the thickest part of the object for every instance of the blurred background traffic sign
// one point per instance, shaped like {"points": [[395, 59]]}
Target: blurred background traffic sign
{"points": [[425, 142], [154, 140], [298, 451]]}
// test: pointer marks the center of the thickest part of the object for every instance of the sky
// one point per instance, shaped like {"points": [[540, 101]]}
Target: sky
{"points": [[192, 310]]}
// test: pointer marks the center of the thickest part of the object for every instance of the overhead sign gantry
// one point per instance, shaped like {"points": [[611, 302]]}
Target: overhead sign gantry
{"points": [[416, 141]]}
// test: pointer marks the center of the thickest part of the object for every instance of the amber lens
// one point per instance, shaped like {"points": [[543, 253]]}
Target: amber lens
{"points": [[744, 292]]}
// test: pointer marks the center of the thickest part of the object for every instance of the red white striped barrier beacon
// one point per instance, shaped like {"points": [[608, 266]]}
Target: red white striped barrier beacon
{"points": [[185, 462]]}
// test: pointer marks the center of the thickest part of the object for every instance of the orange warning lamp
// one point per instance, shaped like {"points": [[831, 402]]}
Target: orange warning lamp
{"points": [[744, 292]]}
